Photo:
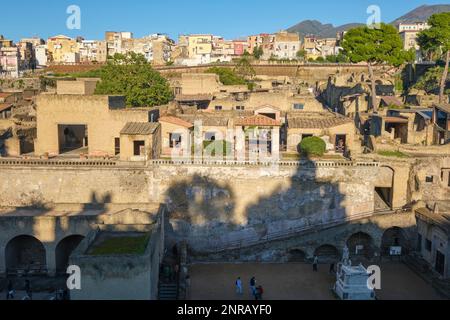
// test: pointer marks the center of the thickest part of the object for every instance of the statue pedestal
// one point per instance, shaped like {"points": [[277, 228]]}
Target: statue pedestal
{"points": [[351, 283]]}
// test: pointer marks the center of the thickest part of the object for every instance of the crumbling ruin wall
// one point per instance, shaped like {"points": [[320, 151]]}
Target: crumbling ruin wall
{"points": [[429, 182], [208, 205]]}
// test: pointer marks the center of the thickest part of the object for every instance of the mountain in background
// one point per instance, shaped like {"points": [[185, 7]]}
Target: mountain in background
{"points": [[314, 27], [422, 13]]}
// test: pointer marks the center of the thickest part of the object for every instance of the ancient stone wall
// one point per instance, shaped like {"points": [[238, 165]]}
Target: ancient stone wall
{"points": [[211, 204]]}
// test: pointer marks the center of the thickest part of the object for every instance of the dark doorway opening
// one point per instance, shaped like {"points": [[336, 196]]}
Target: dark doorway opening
{"points": [[296, 255], [383, 198], [139, 147], [327, 253], [440, 262], [341, 143], [72, 137], [25, 254], [116, 146], [360, 244], [394, 237], [63, 251]]}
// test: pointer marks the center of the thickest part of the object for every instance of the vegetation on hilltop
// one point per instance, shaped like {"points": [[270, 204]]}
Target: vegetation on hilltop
{"points": [[436, 40]]}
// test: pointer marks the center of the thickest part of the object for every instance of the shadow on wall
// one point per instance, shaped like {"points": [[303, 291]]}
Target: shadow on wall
{"points": [[37, 240], [211, 216]]}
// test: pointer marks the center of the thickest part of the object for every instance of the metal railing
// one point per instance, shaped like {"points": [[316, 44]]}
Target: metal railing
{"points": [[313, 164], [284, 234]]}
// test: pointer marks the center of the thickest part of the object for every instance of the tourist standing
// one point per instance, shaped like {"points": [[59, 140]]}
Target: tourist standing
{"points": [[315, 263], [259, 293], [332, 268], [253, 285], [29, 295], [9, 291], [239, 286]]}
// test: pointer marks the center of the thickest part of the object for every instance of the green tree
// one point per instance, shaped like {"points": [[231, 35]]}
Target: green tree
{"points": [[258, 52], [301, 54], [437, 39], [244, 69], [375, 45], [132, 76], [430, 81], [227, 76], [337, 58]]}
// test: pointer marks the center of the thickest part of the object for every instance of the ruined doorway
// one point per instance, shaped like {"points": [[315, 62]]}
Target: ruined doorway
{"points": [[139, 148], [382, 199], [360, 244], [25, 253], [72, 137], [296, 255], [63, 251], [393, 237], [341, 143], [327, 253], [440, 262]]}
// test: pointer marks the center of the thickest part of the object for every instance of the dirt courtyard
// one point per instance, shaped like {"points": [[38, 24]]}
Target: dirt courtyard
{"points": [[297, 281]]}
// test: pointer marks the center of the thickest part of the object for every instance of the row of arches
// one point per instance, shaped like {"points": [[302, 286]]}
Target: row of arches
{"points": [[359, 244], [26, 252]]}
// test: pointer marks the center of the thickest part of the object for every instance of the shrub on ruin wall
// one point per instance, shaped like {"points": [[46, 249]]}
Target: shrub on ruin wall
{"points": [[312, 146]]}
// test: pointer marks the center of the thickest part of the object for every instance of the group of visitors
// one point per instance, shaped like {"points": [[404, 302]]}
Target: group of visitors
{"points": [[10, 292], [255, 291], [316, 263]]}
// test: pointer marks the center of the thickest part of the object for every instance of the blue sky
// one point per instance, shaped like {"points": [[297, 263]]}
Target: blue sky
{"points": [[229, 18]]}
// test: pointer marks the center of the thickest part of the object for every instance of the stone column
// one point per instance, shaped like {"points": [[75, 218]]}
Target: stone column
{"points": [[50, 256], [2, 260], [276, 143]]}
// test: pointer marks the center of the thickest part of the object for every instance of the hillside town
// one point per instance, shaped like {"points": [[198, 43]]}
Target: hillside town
{"points": [[165, 168], [30, 54]]}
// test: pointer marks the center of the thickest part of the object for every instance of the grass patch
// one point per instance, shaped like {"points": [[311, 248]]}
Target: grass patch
{"points": [[122, 245], [397, 154]]}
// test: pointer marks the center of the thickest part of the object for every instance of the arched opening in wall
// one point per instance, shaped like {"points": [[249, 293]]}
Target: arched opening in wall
{"points": [[296, 255], [327, 253], [63, 251], [25, 255], [394, 242], [360, 244]]}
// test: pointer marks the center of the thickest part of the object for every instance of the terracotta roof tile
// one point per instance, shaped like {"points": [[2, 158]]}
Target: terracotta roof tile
{"points": [[5, 106], [392, 101], [176, 121], [256, 120], [317, 122]]}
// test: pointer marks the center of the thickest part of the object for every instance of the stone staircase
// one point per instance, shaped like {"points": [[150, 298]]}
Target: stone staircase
{"points": [[168, 291]]}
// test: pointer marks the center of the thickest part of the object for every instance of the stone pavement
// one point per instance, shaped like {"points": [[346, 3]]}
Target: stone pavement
{"points": [[297, 282]]}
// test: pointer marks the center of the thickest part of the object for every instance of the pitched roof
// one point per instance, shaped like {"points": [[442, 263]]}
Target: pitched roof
{"points": [[256, 120], [316, 122], [140, 128], [193, 97], [389, 100], [176, 121], [207, 120], [444, 107], [5, 106], [395, 120], [6, 94]]}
